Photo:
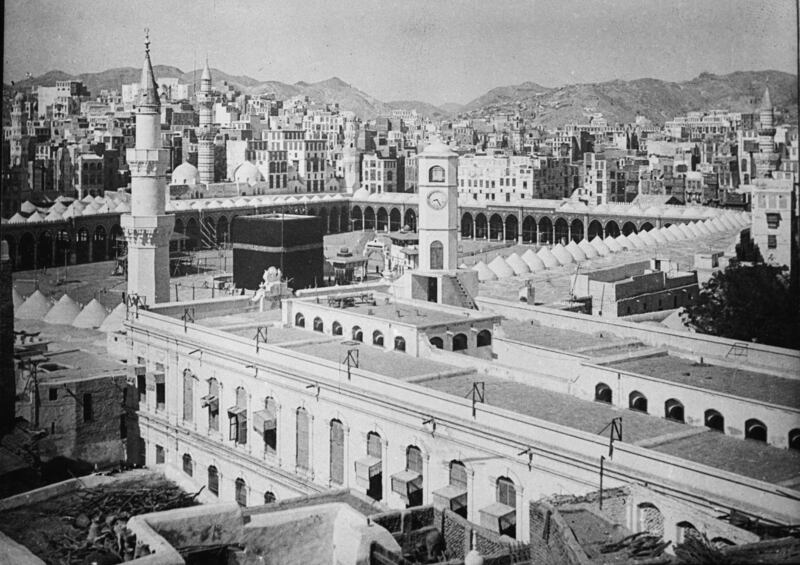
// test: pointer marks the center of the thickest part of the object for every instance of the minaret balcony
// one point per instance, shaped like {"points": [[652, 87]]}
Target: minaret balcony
{"points": [[143, 162]]}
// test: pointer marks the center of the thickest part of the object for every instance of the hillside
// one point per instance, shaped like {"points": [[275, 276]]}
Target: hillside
{"points": [[422, 108], [621, 101]]}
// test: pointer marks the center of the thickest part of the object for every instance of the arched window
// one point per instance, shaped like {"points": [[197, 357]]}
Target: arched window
{"points": [[241, 492], [484, 338], [755, 429], [685, 531], [336, 328], [188, 466], [358, 335], [188, 395], [375, 449], [300, 320], [437, 342], [506, 493], [337, 452], [637, 401], [673, 410], [237, 416], [211, 400], [459, 342], [399, 344], [650, 519], [318, 326], [377, 338], [437, 255], [270, 426], [302, 439], [602, 393], [794, 439], [436, 174], [458, 482], [269, 497], [715, 421], [412, 489], [213, 480]]}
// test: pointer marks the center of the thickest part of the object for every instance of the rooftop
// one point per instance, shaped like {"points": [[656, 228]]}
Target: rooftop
{"points": [[745, 457], [729, 380], [564, 340]]}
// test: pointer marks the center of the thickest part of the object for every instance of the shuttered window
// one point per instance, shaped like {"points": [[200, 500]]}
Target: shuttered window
{"points": [[414, 459], [337, 452], [302, 438], [213, 409], [374, 445], [188, 396], [271, 433]]}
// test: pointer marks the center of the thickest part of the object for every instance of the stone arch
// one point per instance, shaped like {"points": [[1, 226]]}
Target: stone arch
{"points": [[506, 493], [240, 492], [647, 226], [673, 410], [27, 252], [12, 250], [562, 231], [377, 338], [382, 219], [576, 227], [496, 227], [179, 227], [44, 249], [512, 228], [637, 401], [369, 218], [357, 334], [318, 325], [336, 328], [595, 230], [467, 226], [460, 342], [395, 220], [436, 174], [299, 320], [357, 218], [484, 338], [546, 230], [650, 519], [99, 244], [628, 228], [399, 343], [612, 228], [755, 429], [684, 531], [714, 420], [223, 234], [602, 393], [437, 342], [188, 464], [529, 230], [481, 226], [213, 480], [192, 234], [410, 219]]}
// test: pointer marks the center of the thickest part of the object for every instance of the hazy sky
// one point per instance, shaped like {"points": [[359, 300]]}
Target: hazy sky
{"points": [[432, 50]]}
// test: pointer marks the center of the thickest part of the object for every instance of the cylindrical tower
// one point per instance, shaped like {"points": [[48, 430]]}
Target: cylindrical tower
{"points": [[148, 227], [205, 134]]}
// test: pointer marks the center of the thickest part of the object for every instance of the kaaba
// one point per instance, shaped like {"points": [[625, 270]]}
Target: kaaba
{"points": [[290, 242]]}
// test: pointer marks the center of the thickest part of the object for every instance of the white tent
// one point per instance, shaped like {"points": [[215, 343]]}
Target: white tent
{"points": [[35, 307], [576, 251], [500, 268], [484, 272], [517, 264], [600, 246], [612, 244], [113, 322], [64, 312], [548, 258], [533, 261], [92, 315], [636, 241], [564, 257], [586, 247], [660, 238], [17, 299], [647, 238], [623, 241]]}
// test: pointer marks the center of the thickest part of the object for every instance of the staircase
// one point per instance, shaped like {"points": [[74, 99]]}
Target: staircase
{"points": [[466, 299], [208, 234]]}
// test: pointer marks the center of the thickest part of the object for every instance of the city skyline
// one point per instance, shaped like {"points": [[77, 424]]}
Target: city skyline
{"points": [[447, 52]]}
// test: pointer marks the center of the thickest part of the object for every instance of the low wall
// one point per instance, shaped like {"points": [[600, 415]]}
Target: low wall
{"points": [[785, 362], [50, 491]]}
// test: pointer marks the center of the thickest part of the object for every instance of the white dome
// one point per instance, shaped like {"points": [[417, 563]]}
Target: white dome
{"points": [[185, 173], [247, 173]]}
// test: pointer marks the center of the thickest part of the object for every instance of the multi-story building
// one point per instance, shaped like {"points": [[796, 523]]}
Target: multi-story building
{"points": [[774, 220]]}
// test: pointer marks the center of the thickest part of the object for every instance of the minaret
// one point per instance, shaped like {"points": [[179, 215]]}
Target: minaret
{"points": [[437, 168], [350, 158], [766, 158], [148, 227], [205, 134]]}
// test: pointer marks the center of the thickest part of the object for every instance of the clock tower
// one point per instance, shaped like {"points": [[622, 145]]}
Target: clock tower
{"points": [[438, 208]]}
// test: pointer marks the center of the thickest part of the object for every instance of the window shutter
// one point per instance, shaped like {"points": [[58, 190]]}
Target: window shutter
{"points": [[337, 453], [302, 438]]}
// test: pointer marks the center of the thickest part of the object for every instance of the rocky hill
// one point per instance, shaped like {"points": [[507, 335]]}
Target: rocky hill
{"points": [[621, 101]]}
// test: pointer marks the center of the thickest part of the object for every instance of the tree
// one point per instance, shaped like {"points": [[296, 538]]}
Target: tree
{"points": [[748, 303]]}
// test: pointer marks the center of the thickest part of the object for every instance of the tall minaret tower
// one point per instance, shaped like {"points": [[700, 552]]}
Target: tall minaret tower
{"points": [[350, 161], [438, 208], [148, 227], [766, 158], [205, 134]]}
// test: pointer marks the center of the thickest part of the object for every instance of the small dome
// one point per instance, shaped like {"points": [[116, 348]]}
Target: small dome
{"points": [[247, 173], [437, 148], [185, 173]]}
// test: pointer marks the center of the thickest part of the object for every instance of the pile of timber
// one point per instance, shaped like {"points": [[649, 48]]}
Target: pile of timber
{"points": [[642, 545]]}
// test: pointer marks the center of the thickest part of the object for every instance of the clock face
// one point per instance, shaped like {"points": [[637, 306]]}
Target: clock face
{"points": [[437, 199]]}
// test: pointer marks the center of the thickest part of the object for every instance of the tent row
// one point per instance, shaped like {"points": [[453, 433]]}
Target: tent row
{"points": [[64, 208], [249, 201], [560, 255], [67, 311]]}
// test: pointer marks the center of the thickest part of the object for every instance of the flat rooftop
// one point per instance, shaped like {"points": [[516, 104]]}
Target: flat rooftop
{"points": [[565, 340], [414, 315], [729, 380], [745, 457], [371, 358]]}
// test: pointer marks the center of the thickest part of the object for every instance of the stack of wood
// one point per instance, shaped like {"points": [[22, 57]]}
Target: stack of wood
{"points": [[642, 545], [697, 549], [99, 518]]}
